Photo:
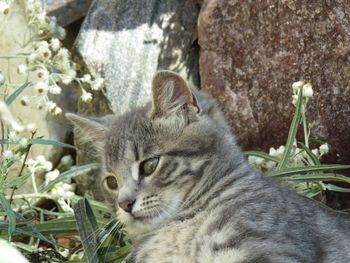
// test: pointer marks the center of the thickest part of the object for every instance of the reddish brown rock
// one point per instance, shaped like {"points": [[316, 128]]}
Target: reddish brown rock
{"points": [[251, 53]]}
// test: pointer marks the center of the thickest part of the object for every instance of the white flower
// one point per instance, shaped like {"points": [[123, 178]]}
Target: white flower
{"points": [[57, 111], [270, 165], [41, 87], [51, 106], [13, 136], [24, 142], [86, 96], [41, 18], [86, 78], [67, 160], [55, 44], [31, 127], [307, 90], [42, 73], [294, 99], [48, 166], [296, 86], [324, 148], [316, 152], [22, 69], [2, 78], [6, 116], [54, 89], [52, 175], [4, 7], [273, 152], [254, 160], [97, 84], [61, 33], [32, 58], [8, 155], [40, 159], [68, 78], [280, 150]]}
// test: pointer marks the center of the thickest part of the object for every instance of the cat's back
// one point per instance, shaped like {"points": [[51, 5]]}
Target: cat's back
{"points": [[251, 220]]}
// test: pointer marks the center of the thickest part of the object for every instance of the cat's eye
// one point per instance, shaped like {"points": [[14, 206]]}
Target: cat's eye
{"points": [[111, 182], [148, 166]]}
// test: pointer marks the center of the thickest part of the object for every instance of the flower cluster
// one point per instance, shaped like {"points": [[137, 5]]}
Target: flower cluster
{"points": [[63, 190], [298, 157], [305, 87], [49, 64]]}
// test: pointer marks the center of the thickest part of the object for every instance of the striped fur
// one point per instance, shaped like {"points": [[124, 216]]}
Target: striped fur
{"points": [[203, 203]]}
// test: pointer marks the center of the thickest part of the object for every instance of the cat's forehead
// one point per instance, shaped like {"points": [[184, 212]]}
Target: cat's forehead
{"points": [[130, 134]]}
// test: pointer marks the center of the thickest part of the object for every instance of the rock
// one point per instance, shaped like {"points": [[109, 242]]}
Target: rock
{"points": [[126, 42], [67, 11], [251, 53]]}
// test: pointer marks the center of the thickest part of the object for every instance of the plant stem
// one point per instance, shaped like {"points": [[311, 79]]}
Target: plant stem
{"points": [[23, 165], [306, 133], [25, 196]]}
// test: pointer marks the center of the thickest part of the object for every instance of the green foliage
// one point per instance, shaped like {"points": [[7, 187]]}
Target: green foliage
{"points": [[300, 167]]}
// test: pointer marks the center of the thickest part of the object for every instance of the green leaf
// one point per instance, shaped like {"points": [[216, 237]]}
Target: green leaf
{"points": [[16, 182], [261, 155], [73, 172], [51, 142], [335, 188], [292, 132], [308, 169], [319, 177], [16, 93], [87, 228], [312, 156], [6, 206]]}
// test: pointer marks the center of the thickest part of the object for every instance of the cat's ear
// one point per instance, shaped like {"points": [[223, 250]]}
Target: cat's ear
{"points": [[89, 130], [171, 95]]}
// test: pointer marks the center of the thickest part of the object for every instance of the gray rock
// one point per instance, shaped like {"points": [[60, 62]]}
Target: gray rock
{"points": [[67, 11], [126, 42]]}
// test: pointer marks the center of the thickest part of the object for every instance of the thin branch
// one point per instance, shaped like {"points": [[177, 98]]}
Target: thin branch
{"points": [[23, 165]]}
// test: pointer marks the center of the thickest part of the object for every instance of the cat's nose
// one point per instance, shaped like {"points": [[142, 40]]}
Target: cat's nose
{"points": [[126, 205]]}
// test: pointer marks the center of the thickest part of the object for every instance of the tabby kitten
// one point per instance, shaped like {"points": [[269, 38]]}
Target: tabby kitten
{"points": [[179, 183]]}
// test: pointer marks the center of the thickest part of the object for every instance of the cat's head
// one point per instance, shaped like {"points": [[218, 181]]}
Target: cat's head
{"points": [[158, 158]]}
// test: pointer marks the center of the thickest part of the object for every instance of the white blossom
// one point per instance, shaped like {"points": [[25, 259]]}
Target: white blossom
{"points": [[8, 155], [42, 73], [296, 86], [97, 84], [67, 160], [4, 7], [55, 89], [86, 78], [2, 78], [61, 33], [86, 96], [316, 152], [55, 44], [307, 90], [52, 175], [68, 78], [24, 142], [41, 87], [324, 148], [22, 69]]}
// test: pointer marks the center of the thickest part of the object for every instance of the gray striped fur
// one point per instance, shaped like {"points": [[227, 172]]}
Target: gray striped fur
{"points": [[204, 203]]}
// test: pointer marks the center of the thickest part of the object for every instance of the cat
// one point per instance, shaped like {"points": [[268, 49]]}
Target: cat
{"points": [[180, 184]]}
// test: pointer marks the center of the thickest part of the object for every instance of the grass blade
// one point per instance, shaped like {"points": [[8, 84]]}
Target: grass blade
{"points": [[312, 156], [73, 172], [319, 177], [16, 93], [261, 155], [292, 132], [16, 182], [51, 142], [335, 188], [87, 228], [308, 169], [6, 206]]}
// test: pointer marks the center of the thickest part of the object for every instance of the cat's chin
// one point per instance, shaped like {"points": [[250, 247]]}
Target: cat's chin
{"points": [[136, 226]]}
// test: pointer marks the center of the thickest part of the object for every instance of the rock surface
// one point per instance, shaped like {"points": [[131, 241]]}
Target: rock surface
{"points": [[126, 42], [67, 11], [251, 53]]}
